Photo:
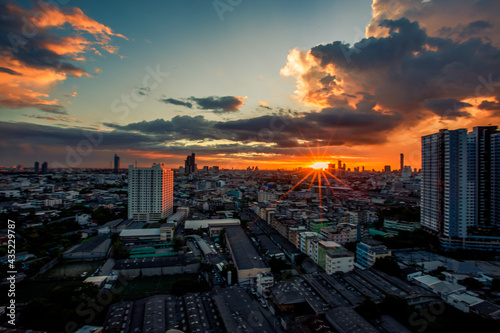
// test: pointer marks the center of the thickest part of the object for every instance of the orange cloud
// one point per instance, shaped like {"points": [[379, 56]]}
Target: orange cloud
{"points": [[25, 80]]}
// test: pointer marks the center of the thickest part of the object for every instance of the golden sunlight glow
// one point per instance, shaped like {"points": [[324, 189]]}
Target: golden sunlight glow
{"points": [[319, 165]]}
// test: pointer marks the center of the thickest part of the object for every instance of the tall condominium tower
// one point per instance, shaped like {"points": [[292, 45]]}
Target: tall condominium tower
{"points": [[495, 179], [116, 166], [151, 193], [190, 164], [45, 167], [460, 184]]}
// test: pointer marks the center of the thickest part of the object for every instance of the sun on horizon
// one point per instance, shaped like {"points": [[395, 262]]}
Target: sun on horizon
{"points": [[319, 165]]}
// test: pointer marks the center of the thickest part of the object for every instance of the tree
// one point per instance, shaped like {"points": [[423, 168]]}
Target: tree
{"points": [[60, 307], [244, 223], [472, 284], [277, 265], [351, 246], [103, 215], [388, 265], [179, 243], [495, 284], [119, 250], [369, 309], [183, 286], [206, 267]]}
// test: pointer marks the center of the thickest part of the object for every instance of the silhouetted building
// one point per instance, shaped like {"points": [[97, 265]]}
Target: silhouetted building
{"points": [[37, 167], [45, 167], [190, 164], [387, 168], [401, 162], [116, 167]]}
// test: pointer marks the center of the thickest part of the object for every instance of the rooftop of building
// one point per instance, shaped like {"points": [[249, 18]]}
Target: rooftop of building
{"points": [[102, 241], [339, 253], [345, 319], [155, 262], [204, 224], [245, 255], [239, 312]]}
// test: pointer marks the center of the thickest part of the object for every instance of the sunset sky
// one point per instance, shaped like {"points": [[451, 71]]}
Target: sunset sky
{"points": [[274, 84]]}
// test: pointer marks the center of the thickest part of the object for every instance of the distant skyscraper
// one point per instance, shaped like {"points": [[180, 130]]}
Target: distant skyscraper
{"points": [[117, 164], [402, 162], [460, 178], [190, 164], [387, 168], [151, 193], [45, 167], [37, 167]]}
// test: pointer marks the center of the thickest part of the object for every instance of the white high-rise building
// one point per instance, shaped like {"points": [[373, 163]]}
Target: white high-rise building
{"points": [[150, 193]]}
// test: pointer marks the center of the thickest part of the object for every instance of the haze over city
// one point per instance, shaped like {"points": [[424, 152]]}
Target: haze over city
{"points": [[269, 84]]}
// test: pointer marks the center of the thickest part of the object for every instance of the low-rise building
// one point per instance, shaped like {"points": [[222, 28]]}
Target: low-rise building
{"points": [[401, 225], [246, 259], [344, 233], [339, 260], [263, 282], [368, 251]]}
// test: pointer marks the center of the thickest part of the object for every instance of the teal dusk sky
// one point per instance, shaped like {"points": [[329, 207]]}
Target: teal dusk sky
{"points": [[267, 83]]}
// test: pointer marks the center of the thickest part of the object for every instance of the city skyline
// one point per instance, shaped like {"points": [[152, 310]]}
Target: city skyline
{"points": [[249, 84]]}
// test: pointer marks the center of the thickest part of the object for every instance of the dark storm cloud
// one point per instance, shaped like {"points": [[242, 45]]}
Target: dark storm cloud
{"points": [[407, 68], [334, 126], [472, 29], [9, 71], [447, 108], [489, 105], [216, 104], [219, 104], [179, 127], [42, 134], [176, 102], [15, 103]]}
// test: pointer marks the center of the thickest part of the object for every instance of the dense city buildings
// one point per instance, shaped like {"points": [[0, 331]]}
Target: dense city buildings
{"points": [[150, 193], [459, 176], [293, 250]]}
